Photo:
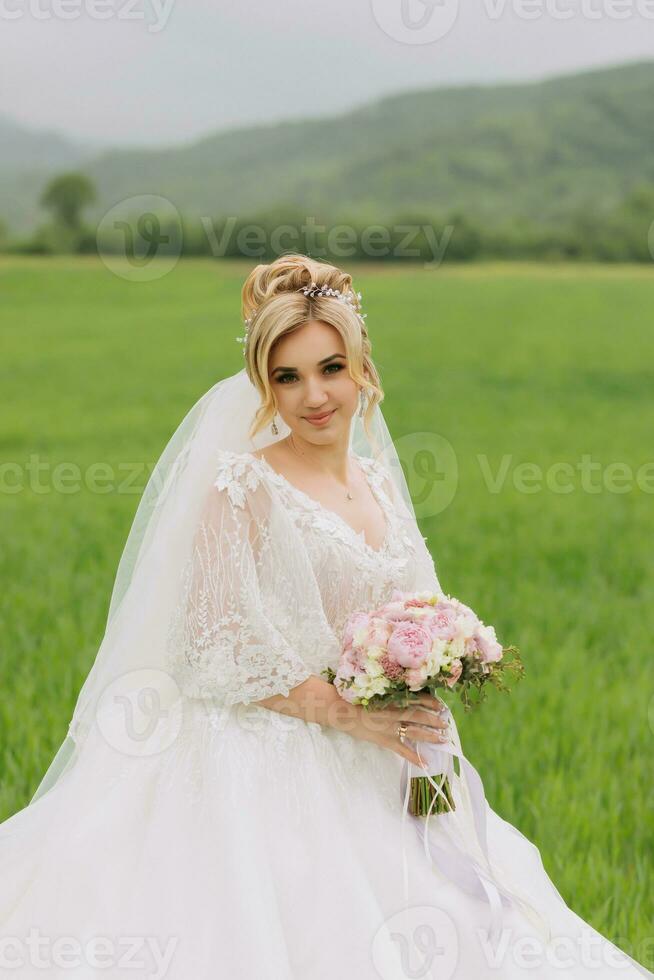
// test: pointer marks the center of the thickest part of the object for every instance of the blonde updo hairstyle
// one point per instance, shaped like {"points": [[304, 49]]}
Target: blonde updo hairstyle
{"points": [[272, 297]]}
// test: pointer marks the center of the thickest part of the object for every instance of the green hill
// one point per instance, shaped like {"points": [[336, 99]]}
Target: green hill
{"points": [[27, 158], [538, 150]]}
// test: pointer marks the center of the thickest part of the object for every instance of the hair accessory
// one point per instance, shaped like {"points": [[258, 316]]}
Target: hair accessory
{"points": [[347, 298], [314, 291]]}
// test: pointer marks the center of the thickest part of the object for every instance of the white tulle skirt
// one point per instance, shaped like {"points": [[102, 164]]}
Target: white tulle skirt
{"points": [[259, 846]]}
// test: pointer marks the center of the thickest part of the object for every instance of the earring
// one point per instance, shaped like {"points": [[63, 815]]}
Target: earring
{"points": [[362, 402], [274, 428]]}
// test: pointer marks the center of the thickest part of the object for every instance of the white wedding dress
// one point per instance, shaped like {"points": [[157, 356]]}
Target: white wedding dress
{"points": [[255, 845]]}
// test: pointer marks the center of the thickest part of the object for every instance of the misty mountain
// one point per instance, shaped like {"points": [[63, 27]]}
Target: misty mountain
{"points": [[538, 150]]}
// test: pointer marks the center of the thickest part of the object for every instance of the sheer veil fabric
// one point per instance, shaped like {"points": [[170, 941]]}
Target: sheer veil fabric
{"points": [[149, 583]]}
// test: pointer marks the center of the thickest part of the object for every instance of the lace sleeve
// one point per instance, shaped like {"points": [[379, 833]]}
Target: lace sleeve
{"points": [[424, 576], [223, 642]]}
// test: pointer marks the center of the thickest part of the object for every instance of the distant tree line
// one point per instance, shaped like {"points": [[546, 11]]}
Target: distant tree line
{"points": [[622, 234]]}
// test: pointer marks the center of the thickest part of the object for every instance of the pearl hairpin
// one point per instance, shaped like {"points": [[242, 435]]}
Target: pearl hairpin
{"points": [[314, 291]]}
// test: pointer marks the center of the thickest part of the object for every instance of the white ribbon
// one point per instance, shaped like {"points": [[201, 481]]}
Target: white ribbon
{"points": [[459, 865]]}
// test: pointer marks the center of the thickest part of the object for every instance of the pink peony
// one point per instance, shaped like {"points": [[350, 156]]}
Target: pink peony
{"points": [[409, 644], [417, 602], [351, 662], [488, 645], [379, 632], [416, 678], [443, 623], [470, 646], [391, 668], [400, 613], [354, 624]]}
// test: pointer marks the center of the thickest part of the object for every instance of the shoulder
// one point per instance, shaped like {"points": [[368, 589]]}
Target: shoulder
{"points": [[237, 474]]}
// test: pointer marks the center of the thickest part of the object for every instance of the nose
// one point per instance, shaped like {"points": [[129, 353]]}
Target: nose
{"points": [[316, 396]]}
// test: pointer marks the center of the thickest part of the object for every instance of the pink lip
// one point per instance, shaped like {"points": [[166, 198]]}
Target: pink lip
{"points": [[320, 419]]}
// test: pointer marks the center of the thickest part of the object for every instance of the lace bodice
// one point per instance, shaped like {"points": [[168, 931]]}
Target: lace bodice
{"points": [[274, 576]]}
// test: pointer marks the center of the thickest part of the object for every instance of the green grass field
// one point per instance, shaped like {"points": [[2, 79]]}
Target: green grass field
{"points": [[513, 364]]}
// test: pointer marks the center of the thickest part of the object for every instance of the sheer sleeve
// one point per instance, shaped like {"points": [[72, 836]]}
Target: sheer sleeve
{"points": [[227, 639]]}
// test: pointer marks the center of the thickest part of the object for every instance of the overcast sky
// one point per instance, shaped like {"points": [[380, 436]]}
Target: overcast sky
{"points": [[162, 71]]}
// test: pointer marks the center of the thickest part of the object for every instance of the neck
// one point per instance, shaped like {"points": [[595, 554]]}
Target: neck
{"points": [[333, 459]]}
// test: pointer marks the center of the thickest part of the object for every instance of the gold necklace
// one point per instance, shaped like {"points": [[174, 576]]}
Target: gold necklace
{"points": [[347, 493]]}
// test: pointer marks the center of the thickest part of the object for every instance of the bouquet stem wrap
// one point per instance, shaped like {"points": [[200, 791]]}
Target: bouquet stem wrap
{"points": [[472, 873], [423, 797]]}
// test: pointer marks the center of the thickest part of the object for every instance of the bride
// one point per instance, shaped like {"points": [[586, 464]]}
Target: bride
{"points": [[216, 809]]}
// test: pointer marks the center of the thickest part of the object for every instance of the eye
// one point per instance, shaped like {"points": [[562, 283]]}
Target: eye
{"points": [[339, 367]]}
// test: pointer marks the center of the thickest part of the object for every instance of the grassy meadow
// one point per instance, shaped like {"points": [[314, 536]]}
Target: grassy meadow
{"points": [[511, 365]]}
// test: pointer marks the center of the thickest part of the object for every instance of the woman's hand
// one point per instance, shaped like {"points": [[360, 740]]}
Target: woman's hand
{"points": [[426, 721], [316, 700]]}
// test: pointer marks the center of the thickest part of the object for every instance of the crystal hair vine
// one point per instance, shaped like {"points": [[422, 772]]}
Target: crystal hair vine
{"points": [[314, 291]]}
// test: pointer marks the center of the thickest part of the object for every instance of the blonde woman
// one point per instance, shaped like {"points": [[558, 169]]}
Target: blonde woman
{"points": [[216, 809]]}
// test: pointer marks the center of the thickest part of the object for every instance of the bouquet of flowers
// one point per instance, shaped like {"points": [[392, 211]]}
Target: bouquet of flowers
{"points": [[417, 643]]}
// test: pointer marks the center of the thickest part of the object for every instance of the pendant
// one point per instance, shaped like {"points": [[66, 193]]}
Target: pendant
{"points": [[349, 496]]}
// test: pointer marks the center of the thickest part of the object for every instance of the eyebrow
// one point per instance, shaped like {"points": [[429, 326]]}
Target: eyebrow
{"points": [[324, 361]]}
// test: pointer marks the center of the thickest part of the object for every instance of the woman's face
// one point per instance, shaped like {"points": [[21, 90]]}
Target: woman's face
{"points": [[309, 376]]}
